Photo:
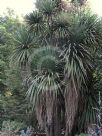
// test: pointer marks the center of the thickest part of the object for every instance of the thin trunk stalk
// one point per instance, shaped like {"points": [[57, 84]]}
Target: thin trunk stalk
{"points": [[71, 104]]}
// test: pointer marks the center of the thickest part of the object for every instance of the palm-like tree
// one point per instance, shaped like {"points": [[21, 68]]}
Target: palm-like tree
{"points": [[47, 86], [24, 42], [61, 65]]}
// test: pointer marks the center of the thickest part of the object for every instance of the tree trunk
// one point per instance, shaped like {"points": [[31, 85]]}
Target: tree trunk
{"points": [[71, 104], [49, 113], [53, 127], [49, 130], [57, 118]]}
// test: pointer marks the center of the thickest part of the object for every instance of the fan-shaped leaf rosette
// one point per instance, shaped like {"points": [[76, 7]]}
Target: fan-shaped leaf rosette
{"points": [[35, 22], [24, 43], [47, 7], [45, 67], [59, 26]]}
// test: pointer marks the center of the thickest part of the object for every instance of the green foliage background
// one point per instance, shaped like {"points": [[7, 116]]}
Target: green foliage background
{"points": [[13, 105]]}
